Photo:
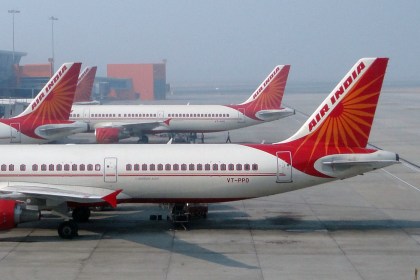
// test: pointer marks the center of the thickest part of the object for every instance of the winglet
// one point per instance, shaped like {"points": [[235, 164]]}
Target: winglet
{"points": [[111, 198]]}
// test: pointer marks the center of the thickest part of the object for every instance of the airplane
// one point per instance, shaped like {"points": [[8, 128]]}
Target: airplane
{"points": [[331, 145], [84, 87], [112, 123], [47, 117]]}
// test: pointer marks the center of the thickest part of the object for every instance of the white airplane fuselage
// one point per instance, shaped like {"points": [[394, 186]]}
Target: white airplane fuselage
{"points": [[168, 173], [172, 118]]}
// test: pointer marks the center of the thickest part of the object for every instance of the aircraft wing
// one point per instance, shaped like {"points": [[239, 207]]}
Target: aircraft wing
{"points": [[275, 114], [58, 129], [134, 126], [62, 193]]}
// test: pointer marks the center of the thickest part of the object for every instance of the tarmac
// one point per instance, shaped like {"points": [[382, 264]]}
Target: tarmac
{"points": [[366, 227]]}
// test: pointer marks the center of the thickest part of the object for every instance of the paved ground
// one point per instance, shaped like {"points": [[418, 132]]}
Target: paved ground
{"points": [[367, 227]]}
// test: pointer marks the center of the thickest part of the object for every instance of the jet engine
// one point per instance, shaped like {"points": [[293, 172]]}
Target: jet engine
{"points": [[13, 213], [109, 135]]}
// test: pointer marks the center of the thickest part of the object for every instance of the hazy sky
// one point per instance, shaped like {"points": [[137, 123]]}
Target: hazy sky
{"points": [[219, 41]]}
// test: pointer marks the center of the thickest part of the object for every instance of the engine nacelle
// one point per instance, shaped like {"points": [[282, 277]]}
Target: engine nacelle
{"points": [[109, 135], [13, 213]]}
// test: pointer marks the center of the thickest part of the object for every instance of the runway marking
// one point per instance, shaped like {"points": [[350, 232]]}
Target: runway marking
{"points": [[401, 180]]}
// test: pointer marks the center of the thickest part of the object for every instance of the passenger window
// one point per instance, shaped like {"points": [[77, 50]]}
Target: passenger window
{"points": [[191, 166], [82, 167], [183, 167], [11, 167], [97, 167], [66, 167], [22, 167], [176, 167], [231, 167], [74, 167], [59, 167], [144, 167], [3, 167], [89, 167], [167, 167], [43, 167], [247, 167], [207, 166], [255, 167], [35, 167], [51, 167], [128, 167], [239, 167], [215, 167], [136, 167], [223, 167], [199, 167]]}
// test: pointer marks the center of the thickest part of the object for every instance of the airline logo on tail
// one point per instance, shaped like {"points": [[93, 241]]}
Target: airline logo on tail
{"points": [[49, 86], [268, 96], [336, 96], [55, 99], [342, 123], [265, 83], [53, 103]]}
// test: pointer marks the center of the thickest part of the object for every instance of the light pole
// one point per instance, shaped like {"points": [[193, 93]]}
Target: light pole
{"points": [[13, 12], [52, 18]]}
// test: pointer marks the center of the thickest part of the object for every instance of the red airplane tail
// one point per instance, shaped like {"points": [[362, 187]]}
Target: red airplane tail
{"points": [[269, 94], [54, 101], [342, 123], [344, 119], [85, 84]]}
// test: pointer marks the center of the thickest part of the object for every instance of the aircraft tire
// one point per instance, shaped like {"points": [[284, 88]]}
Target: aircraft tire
{"points": [[68, 229]]}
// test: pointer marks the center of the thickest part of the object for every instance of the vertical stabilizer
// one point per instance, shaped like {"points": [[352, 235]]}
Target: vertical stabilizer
{"points": [[85, 85], [344, 118], [54, 101]]}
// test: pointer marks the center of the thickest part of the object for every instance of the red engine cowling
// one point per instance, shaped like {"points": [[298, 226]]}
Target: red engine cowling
{"points": [[13, 213], [107, 135]]}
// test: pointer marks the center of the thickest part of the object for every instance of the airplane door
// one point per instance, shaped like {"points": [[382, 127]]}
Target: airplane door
{"points": [[15, 133], [284, 169], [86, 113], [110, 170], [241, 115]]}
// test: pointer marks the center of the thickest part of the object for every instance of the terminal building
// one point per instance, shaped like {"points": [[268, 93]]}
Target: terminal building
{"points": [[123, 81]]}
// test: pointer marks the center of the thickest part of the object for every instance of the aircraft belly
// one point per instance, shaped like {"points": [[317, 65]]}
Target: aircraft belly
{"points": [[202, 187]]}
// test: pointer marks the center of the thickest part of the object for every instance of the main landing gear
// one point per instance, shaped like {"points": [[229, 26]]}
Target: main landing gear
{"points": [[181, 213], [143, 139], [69, 229]]}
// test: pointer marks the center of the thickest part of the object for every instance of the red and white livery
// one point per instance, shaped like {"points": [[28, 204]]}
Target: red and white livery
{"points": [[83, 94], [330, 146], [114, 122], [47, 117]]}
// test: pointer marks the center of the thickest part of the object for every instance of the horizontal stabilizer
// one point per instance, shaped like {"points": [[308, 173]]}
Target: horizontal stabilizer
{"points": [[348, 164], [274, 114], [47, 131]]}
